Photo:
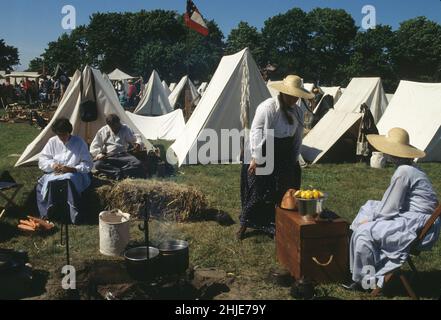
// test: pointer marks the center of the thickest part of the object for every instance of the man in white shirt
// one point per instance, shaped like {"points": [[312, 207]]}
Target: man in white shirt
{"points": [[109, 150]]}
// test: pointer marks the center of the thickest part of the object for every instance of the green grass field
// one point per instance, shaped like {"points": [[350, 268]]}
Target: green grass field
{"points": [[212, 245]]}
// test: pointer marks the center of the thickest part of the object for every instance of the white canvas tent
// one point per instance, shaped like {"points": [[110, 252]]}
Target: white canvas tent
{"points": [[166, 127], [236, 89], [274, 93], [202, 88], [118, 75], [69, 108], [389, 97], [179, 91], [319, 142], [363, 90], [416, 107], [17, 77], [166, 88], [172, 86], [154, 101], [335, 92]]}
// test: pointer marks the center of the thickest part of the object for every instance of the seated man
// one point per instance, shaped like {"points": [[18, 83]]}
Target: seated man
{"points": [[109, 150], [65, 157], [384, 230]]}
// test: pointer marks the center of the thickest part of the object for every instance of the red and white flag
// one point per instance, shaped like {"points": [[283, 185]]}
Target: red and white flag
{"points": [[194, 20]]}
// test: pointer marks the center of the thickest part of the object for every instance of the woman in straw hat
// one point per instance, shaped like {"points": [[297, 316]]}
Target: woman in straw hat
{"points": [[260, 193], [383, 230]]}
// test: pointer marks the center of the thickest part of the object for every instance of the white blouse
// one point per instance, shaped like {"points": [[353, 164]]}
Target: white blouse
{"points": [[269, 115], [74, 154]]}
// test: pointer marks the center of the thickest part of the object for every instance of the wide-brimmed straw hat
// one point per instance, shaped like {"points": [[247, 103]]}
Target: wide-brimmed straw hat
{"points": [[396, 143], [292, 85]]}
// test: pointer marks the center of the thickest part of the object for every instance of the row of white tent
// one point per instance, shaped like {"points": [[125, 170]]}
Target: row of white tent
{"points": [[230, 102]]}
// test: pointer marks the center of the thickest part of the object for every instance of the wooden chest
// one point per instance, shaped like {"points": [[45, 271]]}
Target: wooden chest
{"points": [[315, 250]]}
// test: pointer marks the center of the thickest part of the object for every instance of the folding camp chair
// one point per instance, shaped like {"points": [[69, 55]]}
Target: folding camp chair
{"points": [[4, 187], [413, 252]]}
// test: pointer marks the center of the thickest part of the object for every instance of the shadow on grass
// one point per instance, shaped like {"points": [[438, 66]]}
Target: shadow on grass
{"points": [[255, 232], [19, 286], [7, 232], [426, 284], [220, 216]]}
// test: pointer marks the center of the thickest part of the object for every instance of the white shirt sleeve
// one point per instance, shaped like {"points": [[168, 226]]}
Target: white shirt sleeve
{"points": [[97, 144], [46, 158], [130, 136], [86, 162], [259, 129]]}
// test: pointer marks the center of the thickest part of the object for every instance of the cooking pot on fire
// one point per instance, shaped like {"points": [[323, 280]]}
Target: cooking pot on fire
{"points": [[140, 266], [174, 256]]}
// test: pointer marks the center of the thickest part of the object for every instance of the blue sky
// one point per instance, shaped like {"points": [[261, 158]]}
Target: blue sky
{"points": [[29, 24]]}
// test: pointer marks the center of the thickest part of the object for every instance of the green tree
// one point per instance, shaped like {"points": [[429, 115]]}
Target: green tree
{"points": [[371, 56], [417, 53], [36, 65], [191, 54], [8, 56], [286, 42], [331, 34], [68, 50], [244, 36]]}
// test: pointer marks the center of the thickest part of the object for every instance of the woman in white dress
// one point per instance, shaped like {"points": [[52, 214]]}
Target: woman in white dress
{"points": [[384, 230]]}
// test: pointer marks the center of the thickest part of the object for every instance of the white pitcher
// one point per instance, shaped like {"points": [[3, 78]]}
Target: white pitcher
{"points": [[378, 160]]}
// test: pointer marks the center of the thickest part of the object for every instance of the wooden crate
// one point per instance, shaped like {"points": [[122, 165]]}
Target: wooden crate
{"points": [[315, 250]]}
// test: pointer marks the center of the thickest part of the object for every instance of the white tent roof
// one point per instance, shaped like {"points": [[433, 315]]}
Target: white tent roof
{"points": [[274, 93], [118, 75], [172, 86], [389, 97], [308, 86], [335, 92], [69, 108], [166, 88], [202, 88], [363, 90], [327, 132], [23, 75], [180, 89], [416, 107], [236, 77], [166, 127], [154, 101]]}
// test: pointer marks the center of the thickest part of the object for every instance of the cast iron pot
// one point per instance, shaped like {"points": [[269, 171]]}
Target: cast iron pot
{"points": [[174, 256], [138, 266]]}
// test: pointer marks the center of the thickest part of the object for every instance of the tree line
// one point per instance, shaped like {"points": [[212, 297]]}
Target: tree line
{"points": [[323, 45]]}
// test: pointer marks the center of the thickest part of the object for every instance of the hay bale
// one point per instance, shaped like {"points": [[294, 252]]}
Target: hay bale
{"points": [[161, 199]]}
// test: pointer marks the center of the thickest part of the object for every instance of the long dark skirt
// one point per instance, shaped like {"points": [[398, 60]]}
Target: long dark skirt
{"points": [[261, 193]]}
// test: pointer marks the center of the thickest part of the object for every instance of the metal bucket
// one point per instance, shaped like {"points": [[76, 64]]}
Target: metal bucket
{"points": [[309, 208]]}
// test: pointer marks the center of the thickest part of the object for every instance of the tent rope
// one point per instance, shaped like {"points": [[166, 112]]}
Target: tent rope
{"points": [[245, 95]]}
